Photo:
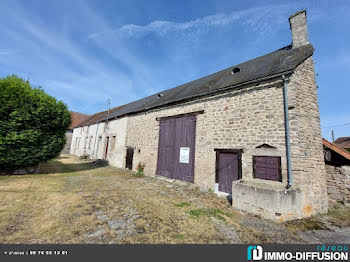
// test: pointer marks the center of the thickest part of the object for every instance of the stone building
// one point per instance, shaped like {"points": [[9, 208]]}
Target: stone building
{"points": [[98, 138], [343, 142], [337, 161], [251, 130], [76, 119]]}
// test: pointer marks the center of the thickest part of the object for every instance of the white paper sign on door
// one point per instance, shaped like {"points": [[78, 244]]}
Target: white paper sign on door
{"points": [[184, 155]]}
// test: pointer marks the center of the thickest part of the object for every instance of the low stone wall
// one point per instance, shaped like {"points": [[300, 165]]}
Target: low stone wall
{"points": [[276, 203], [338, 183]]}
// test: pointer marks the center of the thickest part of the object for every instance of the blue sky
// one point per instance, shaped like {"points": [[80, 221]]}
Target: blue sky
{"points": [[83, 52]]}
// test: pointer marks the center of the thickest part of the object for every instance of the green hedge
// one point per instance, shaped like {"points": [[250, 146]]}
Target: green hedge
{"points": [[32, 124]]}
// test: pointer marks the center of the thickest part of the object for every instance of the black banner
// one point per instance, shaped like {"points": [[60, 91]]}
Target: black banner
{"points": [[236, 253]]}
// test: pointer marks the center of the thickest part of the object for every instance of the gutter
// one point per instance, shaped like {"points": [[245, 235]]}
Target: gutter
{"points": [[286, 117]]}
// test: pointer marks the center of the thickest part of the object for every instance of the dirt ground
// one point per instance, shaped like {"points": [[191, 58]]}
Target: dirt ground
{"points": [[77, 201]]}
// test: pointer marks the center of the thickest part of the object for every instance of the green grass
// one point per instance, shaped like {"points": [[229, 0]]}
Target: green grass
{"points": [[305, 225], [339, 215], [210, 212], [183, 204], [181, 236]]}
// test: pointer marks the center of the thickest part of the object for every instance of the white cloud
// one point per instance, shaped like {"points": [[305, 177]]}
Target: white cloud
{"points": [[258, 19]]}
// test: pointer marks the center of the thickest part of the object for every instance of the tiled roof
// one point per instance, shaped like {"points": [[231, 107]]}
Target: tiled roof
{"points": [[98, 117], [343, 142], [274, 64], [76, 119], [336, 149]]}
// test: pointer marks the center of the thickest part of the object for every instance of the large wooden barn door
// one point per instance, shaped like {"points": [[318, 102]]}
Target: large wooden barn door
{"points": [[184, 148], [166, 147], [176, 148]]}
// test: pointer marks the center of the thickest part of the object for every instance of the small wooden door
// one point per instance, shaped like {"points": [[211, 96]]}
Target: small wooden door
{"points": [[129, 158], [227, 170], [106, 151]]}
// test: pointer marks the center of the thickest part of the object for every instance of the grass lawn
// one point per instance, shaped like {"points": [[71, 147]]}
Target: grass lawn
{"points": [[76, 201]]}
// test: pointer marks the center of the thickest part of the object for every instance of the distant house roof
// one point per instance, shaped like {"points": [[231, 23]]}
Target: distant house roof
{"points": [[343, 142], [274, 64], [336, 149], [96, 118], [76, 119]]}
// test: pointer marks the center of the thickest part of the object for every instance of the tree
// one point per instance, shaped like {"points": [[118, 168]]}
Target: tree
{"points": [[32, 124]]}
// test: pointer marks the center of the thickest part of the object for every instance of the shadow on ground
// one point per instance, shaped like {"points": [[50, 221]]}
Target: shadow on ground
{"points": [[55, 166], [63, 157]]}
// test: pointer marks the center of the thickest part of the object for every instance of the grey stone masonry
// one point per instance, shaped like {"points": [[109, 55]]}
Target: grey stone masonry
{"points": [[338, 183], [249, 118], [306, 140], [245, 118], [298, 27]]}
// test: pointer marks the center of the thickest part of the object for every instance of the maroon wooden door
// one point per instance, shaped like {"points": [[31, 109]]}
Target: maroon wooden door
{"points": [[176, 148], [166, 147], [129, 158], [228, 171], [185, 130]]}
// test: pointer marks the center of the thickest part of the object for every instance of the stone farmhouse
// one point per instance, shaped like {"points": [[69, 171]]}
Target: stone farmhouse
{"points": [[76, 119], [251, 130]]}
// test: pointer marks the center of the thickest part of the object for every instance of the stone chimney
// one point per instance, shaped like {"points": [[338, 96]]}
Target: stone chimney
{"points": [[298, 27]]}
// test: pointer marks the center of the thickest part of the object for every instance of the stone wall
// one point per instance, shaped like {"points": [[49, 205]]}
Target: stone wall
{"points": [[67, 146], [338, 183], [306, 140], [91, 141], [244, 118]]}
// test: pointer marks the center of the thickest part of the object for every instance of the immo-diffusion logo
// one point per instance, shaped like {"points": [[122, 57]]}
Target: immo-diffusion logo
{"points": [[324, 252], [255, 253]]}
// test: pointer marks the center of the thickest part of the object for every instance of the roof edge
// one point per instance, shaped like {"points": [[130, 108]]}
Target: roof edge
{"points": [[336, 148], [224, 89]]}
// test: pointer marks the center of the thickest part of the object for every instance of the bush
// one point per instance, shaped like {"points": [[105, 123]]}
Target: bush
{"points": [[140, 169], [32, 124]]}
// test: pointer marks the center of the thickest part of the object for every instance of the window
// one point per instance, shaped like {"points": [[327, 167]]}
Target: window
{"points": [[75, 144], [113, 142], [267, 167], [90, 142], [86, 140]]}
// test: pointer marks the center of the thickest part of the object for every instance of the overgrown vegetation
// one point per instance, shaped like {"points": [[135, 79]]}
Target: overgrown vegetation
{"points": [[63, 204], [32, 124], [339, 215], [305, 225], [140, 169], [210, 212]]}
